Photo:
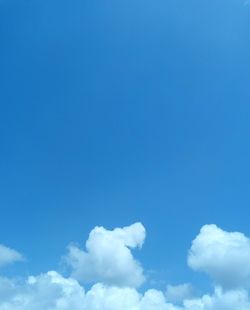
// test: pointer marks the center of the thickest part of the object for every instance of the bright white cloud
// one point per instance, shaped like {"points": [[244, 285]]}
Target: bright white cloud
{"points": [[225, 256], [108, 257], [117, 298], [8, 256], [52, 291]]}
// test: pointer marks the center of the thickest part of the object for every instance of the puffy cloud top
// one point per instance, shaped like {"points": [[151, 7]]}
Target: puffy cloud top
{"points": [[225, 256], [8, 256], [108, 257]]}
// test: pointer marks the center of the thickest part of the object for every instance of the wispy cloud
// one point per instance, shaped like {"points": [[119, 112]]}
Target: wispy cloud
{"points": [[9, 256]]}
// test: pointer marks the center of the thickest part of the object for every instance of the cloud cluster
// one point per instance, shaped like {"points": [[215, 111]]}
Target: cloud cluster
{"points": [[108, 261], [53, 291]]}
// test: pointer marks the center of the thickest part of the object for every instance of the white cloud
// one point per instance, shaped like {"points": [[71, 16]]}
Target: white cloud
{"points": [[108, 257], [52, 291], [237, 299], [8, 256], [7, 289], [45, 292], [225, 256], [117, 298]]}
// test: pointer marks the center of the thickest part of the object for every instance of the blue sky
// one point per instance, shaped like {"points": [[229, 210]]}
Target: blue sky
{"points": [[115, 112]]}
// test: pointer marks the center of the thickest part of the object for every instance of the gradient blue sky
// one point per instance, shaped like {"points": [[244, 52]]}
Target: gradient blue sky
{"points": [[116, 111]]}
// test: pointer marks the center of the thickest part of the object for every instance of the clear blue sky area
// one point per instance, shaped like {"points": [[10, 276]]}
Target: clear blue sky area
{"points": [[118, 111]]}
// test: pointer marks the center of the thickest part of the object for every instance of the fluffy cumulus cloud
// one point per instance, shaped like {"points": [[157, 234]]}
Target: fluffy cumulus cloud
{"points": [[8, 256], [114, 288], [225, 256], [108, 256], [53, 291]]}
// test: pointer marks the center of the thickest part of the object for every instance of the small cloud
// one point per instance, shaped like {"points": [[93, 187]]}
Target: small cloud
{"points": [[9, 256]]}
